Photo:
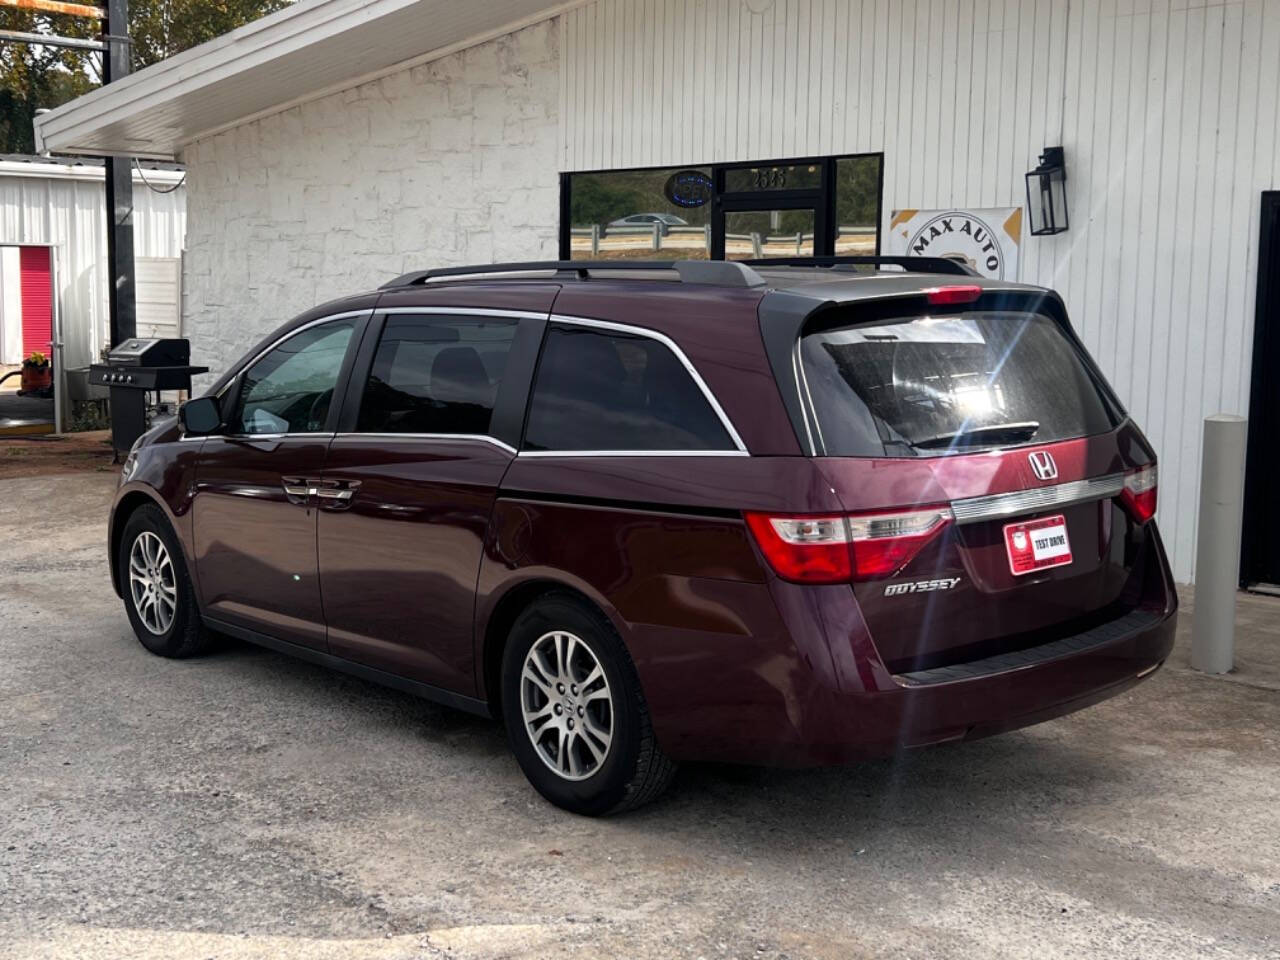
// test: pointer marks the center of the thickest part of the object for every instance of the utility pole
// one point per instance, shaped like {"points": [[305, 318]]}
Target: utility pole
{"points": [[122, 296]]}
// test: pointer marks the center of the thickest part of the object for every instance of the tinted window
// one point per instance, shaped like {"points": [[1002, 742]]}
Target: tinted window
{"points": [[290, 389], [436, 375], [928, 386], [605, 391]]}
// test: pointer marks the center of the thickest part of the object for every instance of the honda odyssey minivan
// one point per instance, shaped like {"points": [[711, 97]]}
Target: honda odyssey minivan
{"points": [[783, 514]]}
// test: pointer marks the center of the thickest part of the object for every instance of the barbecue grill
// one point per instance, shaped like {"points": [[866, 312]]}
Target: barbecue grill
{"points": [[133, 369]]}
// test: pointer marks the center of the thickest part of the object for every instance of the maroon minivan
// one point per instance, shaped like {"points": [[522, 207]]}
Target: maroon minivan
{"points": [[649, 512]]}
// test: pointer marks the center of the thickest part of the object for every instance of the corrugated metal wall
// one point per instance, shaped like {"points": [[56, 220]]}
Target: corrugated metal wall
{"points": [[71, 213], [1167, 109]]}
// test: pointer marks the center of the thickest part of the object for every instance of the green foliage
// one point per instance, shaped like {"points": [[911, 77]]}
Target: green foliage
{"points": [[857, 191], [602, 197], [32, 76], [88, 415]]}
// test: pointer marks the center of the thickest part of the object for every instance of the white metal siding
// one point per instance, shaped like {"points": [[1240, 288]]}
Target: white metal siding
{"points": [[1167, 109], [71, 214], [158, 287]]}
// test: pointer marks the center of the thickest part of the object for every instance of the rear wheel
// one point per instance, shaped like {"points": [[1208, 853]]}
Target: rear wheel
{"points": [[575, 715], [158, 594]]}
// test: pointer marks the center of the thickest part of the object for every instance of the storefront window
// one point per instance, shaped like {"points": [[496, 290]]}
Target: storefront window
{"points": [[735, 211], [857, 205], [641, 214]]}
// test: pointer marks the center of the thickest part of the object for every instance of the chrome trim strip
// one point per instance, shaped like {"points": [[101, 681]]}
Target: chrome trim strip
{"points": [[281, 339], [632, 453], [387, 435], [976, 509], [466, 312], [807, 409], [679, 355]]}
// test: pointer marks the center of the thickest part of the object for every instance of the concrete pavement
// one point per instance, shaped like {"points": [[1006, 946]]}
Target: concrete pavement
{"points": [[247, 805]]}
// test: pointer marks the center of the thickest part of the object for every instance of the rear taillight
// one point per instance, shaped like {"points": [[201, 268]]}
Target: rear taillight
{"points": [[948, 296], [837, 549], [1139, 494]]}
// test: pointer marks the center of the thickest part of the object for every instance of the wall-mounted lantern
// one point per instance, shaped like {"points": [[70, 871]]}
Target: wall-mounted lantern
{"points": [[1047, 194]]}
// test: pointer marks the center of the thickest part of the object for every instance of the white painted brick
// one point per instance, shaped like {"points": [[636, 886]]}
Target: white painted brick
{"points": [[453, 161]]}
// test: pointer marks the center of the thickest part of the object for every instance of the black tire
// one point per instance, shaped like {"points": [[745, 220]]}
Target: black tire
{"points": [[186, 635], [634, 770]]}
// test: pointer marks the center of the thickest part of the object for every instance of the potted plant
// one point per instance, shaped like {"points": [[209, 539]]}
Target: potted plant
{"points": [[36, 372]]}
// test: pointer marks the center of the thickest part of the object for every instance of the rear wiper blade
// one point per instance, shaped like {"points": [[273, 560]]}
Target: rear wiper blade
{"points": [[991, 433]]}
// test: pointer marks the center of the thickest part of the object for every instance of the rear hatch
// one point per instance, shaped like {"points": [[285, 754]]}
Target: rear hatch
{"points": [[997, 495]]}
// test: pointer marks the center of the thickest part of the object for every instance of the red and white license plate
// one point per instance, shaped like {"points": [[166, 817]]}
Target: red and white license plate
{"points": [[1037, 544]]}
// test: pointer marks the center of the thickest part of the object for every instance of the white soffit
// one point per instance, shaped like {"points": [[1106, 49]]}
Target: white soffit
{"points": [[304, 51]]}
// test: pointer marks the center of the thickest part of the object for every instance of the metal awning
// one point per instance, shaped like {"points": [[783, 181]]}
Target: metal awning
{"points": [[305, 51]]}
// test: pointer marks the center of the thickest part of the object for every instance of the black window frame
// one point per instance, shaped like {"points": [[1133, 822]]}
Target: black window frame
{"points": [[821, 199]]}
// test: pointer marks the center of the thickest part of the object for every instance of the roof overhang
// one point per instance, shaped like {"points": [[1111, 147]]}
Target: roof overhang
{"points": [[78, 171], [305, 51]]}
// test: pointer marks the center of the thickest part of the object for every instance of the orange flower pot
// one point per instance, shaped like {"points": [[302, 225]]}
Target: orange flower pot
{"points": [[36, 378]]}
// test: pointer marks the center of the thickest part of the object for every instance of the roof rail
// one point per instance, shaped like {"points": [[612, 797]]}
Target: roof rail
{"points": [[724, 273], [908, 264]]}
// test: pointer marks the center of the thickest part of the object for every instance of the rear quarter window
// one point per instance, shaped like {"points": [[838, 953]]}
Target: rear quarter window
{"points": [[933, 386], [605, 391]]}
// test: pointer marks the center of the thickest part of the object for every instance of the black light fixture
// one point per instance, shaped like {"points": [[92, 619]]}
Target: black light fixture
{"points": [[1047, 194]]}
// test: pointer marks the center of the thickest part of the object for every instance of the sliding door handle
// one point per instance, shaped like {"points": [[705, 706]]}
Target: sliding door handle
{"points": [[336, 494], [329, 493], [297, 489]]}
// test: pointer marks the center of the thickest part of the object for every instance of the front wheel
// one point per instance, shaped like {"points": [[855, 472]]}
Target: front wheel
{"points": [[575, 715], [158, 594]]}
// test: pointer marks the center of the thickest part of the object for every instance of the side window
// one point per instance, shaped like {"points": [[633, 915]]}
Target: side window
{"points": [[290, 388], [436, 374], [610, 391]]}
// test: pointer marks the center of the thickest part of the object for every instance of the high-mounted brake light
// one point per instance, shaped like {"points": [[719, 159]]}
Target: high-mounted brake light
{"points": [[837, 549], [1139, 493], [945, 296]]}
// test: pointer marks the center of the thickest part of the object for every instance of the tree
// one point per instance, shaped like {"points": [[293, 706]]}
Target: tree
{"points": [[33, 76]]}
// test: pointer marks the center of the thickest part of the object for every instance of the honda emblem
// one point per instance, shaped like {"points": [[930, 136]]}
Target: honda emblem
{"points": [[1042, 465]]}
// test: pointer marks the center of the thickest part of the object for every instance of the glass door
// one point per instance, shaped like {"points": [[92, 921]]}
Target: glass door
{"points": [[769, 234], [771, 211]]}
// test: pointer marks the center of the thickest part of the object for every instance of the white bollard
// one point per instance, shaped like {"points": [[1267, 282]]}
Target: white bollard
{"points": [[1213, 625]]}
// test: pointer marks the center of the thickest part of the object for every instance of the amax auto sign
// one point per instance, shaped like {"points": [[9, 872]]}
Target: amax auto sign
{"points": [[986, 239]]}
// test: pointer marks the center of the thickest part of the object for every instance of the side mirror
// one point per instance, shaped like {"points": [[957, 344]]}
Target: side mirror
{"points": [[200, 415]]}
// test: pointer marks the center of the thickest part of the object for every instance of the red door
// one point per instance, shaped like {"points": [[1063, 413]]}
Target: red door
{"points": [[37, 300]]}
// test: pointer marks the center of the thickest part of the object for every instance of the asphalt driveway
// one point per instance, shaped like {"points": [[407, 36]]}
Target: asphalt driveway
{"points": [[247, 805]]}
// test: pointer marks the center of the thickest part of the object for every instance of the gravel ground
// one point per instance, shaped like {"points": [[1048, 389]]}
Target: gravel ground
{"points": [[247, 805]]}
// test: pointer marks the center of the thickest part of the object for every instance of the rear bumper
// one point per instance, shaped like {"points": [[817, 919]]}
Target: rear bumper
{"points": [[823, 725]]}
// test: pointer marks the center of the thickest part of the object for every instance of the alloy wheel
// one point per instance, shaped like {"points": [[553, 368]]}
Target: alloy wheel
{"points": [[567, 705], [152, 584]]}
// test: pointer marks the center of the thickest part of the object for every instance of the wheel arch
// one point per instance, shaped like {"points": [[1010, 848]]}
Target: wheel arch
{"points": [[127, 503], [506, 607]]}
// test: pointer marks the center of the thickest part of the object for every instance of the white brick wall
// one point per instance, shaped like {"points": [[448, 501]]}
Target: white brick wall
{"points": [[447, 163]]}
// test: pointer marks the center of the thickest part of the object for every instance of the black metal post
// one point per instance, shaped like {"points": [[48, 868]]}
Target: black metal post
{"points": [[119, 179]]}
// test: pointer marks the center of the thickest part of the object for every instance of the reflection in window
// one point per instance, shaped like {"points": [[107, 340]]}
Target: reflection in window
{"points": [[669, 213], [857, 205], [627, 215], [290, 389], [436, 374], [760, 234]]}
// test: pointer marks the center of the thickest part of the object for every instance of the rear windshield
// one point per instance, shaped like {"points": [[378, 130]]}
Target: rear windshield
{"points": [[932, 386]]}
